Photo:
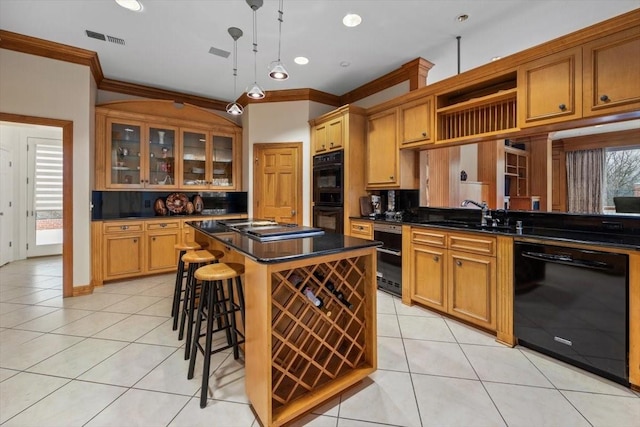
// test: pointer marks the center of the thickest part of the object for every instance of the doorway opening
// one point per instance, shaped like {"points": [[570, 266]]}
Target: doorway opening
{"points": [[66, 186]]}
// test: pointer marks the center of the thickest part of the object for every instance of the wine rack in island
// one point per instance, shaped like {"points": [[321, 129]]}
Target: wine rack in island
{"points": [[322, 333]]}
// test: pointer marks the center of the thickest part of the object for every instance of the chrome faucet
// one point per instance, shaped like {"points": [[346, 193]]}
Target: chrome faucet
{"points": [[483, 206]]}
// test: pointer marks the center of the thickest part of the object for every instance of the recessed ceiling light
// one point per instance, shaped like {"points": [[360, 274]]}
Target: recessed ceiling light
{"points": [[134, 5], [345, 64], [462, 18], [301, 60], [351, 20]]}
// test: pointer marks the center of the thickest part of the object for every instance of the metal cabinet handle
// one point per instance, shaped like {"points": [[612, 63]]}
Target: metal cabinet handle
{"points": [[436, 258], [163, 225], [562, 107], [360, 227], [153, 238], [604, 98], [424, 134], [124, 227], [459, 263], [331, 145], [135, 240], [293, 212], [392, 177]]}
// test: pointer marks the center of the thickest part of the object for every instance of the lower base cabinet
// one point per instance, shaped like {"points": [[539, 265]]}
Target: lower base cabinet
{"points": [[454, 273], [123, 255]]}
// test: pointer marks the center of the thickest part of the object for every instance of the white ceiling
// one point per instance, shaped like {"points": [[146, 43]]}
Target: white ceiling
{"points": [[167, 43]]}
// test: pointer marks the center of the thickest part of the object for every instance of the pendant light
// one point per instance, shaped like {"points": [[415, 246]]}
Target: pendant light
{"points": [[277, 70], [233, 107], [255, 91]]}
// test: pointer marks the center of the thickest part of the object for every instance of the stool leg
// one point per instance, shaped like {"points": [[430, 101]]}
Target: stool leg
{"points": [[177, 293], [211, 300], [187, 297], [192, 307], [221, 310], [194, 347], [240, 297], [232, 311]]}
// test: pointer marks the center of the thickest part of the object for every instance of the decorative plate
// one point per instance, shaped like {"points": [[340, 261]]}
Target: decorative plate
{"points": [[177, 202]]}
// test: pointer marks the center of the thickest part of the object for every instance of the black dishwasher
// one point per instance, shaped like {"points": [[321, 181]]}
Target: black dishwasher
{"points": [[572, 304]]}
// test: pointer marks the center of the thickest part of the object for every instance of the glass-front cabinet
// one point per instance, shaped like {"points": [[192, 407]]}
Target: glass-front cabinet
{"points": [[141, 156], [208, 160]]}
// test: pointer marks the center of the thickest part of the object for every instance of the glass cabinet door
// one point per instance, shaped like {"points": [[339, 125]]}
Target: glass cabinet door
{"points": [[123, 156], [194, 154], [161, 160], [222, 161]]}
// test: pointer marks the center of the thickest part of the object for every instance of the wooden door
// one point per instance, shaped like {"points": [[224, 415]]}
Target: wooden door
{"points": [[472, 288], [416, 123], [277, 182], [428, 276], [611, 67], [382, 150], [123, 255], [335, 134]]}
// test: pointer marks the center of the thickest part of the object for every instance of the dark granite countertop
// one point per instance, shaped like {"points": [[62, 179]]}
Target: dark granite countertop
{"points": [[283, 250], [613, 240]]}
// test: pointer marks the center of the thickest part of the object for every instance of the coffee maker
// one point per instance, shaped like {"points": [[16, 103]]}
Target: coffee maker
{"points": [[376, 204]]}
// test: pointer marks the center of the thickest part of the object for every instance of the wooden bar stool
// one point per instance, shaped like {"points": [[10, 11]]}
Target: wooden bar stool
{"points": [[180, 276], [195, 259], [216, 306]]}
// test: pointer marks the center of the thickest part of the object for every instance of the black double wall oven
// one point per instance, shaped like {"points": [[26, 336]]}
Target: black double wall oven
{"points": [[328, 191]]}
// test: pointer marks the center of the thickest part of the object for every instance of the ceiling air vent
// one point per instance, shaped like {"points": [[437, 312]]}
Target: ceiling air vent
{"points": [[115, 40], [100, 36], [94, 35], [219, 52]]}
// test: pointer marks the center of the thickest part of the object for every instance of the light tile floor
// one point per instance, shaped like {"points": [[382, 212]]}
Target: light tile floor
{"points": [[111, 359]]}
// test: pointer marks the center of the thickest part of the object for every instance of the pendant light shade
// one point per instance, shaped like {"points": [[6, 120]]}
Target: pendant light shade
{"points": [[277, 70], [254, 91], [234, 108]]}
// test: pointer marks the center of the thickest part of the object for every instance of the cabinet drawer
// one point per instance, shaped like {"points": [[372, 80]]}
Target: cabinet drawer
{"points": [[121, 227], [164, 225], [362, 229], [473, 243], [430, 237]]}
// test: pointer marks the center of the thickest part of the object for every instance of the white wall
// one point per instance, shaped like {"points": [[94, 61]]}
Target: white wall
{"points": [[36, 86], [384, 95], [279, 122]]}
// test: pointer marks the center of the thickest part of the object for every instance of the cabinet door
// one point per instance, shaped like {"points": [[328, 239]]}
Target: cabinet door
{"points": [[611, 70], [382, 150], [416, 123], [124, 157], [224, 162], [161, 157], [161, 254], [428, 273], [320, 138], [472, 288], [550, 89], [123, 255], [195, 145], [335, 134]]}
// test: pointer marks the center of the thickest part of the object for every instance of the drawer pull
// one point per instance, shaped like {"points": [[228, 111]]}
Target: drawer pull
{"points": [[163, 225], [124, 227]]}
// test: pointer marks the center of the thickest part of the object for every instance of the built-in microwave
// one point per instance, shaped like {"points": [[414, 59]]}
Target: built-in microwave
{"points": [[328, 178]]}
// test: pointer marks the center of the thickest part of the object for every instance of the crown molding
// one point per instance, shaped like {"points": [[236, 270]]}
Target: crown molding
{"points": [[293, 95], [53, 50]]}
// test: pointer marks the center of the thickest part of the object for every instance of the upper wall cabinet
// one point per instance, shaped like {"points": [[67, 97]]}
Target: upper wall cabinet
{"points": [[416, 123], [328, 136], [550, 89], [612, 73], [154, 145]]}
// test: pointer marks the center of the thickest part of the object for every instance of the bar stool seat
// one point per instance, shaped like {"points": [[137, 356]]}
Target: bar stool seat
{"points": [[194, 259], [216, 306], [183, 247]]}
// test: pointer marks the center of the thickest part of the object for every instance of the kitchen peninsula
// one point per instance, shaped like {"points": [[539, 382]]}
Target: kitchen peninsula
{"points": [[309, 352]]}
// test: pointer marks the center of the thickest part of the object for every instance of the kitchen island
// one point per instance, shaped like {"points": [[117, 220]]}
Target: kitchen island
{"points": [[300, 352]]}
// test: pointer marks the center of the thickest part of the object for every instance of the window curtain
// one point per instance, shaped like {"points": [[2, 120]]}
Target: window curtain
{"points": [[585, 180]]}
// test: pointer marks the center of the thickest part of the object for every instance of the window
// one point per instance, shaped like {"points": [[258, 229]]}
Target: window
{"points": [[622, 166]]}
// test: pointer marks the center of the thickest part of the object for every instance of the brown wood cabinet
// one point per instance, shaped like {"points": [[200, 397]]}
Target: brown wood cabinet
{"points": [[452, 272], [329, 136], [154, 146], [387, 166], [122, 249], [161, 238], [362, 229], [416, 123], [550, 89], [516, 172], [611, 73]]}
